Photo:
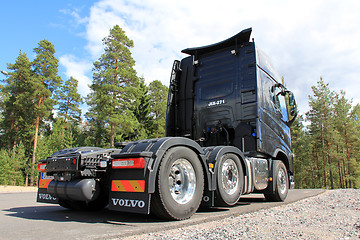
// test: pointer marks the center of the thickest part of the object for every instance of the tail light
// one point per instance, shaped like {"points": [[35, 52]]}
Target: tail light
{"points": [[41, 167], [128, 163]]}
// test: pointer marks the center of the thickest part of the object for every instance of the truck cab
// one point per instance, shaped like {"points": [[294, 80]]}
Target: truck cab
{"points": [[229, 93]]}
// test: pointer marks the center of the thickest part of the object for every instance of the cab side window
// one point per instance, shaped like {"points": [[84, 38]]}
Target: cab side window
{"points": [[280, 103]]}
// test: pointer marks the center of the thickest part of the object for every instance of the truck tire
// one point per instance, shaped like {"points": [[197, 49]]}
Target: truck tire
{"points": [[230, 180], [280, 181], [179, 185]]}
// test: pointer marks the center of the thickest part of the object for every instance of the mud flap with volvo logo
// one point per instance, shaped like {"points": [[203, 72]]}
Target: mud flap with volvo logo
{"points": [[130, 202], [42, 194], [45, 197]]}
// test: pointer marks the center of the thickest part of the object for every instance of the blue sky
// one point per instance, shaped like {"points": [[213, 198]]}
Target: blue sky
{"points": [[25, 24], [305, 39]]}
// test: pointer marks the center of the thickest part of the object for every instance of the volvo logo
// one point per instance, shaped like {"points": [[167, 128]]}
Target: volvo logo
{"points": [[46, 196], [128, 202]]}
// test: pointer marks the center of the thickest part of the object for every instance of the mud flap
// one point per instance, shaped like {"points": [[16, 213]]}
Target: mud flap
{"points": [[45, 197], [42, 194], [208, 199], [130, 202]]}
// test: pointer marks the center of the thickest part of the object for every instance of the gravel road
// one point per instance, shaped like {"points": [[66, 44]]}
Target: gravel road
{"points": [[335, 214]]}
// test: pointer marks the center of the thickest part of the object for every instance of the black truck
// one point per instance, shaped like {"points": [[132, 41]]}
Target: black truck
{"points": [[227, 134]]}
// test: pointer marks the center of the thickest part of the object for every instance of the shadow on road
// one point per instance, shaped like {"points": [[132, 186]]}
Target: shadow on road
{"points": [[56, 213], [59, 214]]}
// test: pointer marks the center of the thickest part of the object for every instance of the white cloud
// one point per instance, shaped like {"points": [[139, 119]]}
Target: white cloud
{"points": [[305, 39], [78, 69]]}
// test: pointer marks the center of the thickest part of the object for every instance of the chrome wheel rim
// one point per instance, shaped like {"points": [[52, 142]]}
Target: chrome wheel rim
{"points": [[282, 181], [230, 176], [182, 181]]}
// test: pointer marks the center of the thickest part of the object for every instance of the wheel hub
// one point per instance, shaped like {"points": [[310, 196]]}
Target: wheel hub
{"points": [[282, 181], [230, 176], [182, 181]]}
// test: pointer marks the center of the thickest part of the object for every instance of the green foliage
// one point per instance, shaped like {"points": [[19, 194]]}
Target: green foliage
{"points": [[69, 101], [304, 165], [327, 151], [142, 111], [158, 103], [46, 80], [12, 165], [17, 105]]}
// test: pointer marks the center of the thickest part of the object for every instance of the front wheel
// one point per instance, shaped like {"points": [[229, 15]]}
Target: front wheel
{"points": [[179, 185], [281, 182]]}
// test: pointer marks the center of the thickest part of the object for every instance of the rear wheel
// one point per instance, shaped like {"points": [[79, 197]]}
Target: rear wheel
{"points": [[179, 185], [230, 180], [280, 181]]}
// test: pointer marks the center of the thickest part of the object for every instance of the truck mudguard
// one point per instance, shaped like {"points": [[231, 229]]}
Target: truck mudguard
{"points": [[156, 148], [215, 153]]}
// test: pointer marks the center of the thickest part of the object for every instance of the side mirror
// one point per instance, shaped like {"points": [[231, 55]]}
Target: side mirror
{"points": [[292, 108]]}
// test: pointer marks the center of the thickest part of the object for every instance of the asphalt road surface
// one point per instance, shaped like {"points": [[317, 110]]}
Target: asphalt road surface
{"points": [[22, 217]]}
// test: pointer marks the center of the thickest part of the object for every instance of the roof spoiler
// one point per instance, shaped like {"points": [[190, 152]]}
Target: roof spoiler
{"points": [[241, 37]]}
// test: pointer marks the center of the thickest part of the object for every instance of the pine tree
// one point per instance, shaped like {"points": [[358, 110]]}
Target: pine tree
{"points": [[158, 100], [114, 87], [12, 165], [142, 111], [320, 115], [45, 82], [17, 104], [345, 123], [355, 151], [304, 164], [69, 101], [334, 136]]}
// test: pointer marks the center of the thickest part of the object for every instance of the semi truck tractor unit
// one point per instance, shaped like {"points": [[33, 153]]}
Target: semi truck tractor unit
{"points": [[227, 134]]}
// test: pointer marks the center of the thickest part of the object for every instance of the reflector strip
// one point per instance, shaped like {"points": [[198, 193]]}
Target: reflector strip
{"points": [[128, 186], [44, 183]]}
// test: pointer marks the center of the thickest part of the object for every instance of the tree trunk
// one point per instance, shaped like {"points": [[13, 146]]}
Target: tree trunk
{"points": [[65, 120], [329, 162], [328, 154], [347, 157], [35, 145], [340, 175], [112, 135], [26, 179], [34, 151], [323, 155]]}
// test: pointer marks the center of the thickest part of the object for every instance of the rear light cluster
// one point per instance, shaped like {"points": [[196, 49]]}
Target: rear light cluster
{"points": [[128, 163], [41, 167]]}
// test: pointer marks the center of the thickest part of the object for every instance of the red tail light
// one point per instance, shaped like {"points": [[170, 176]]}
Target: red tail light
{"points": [[128, 163], [41, 167]]}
